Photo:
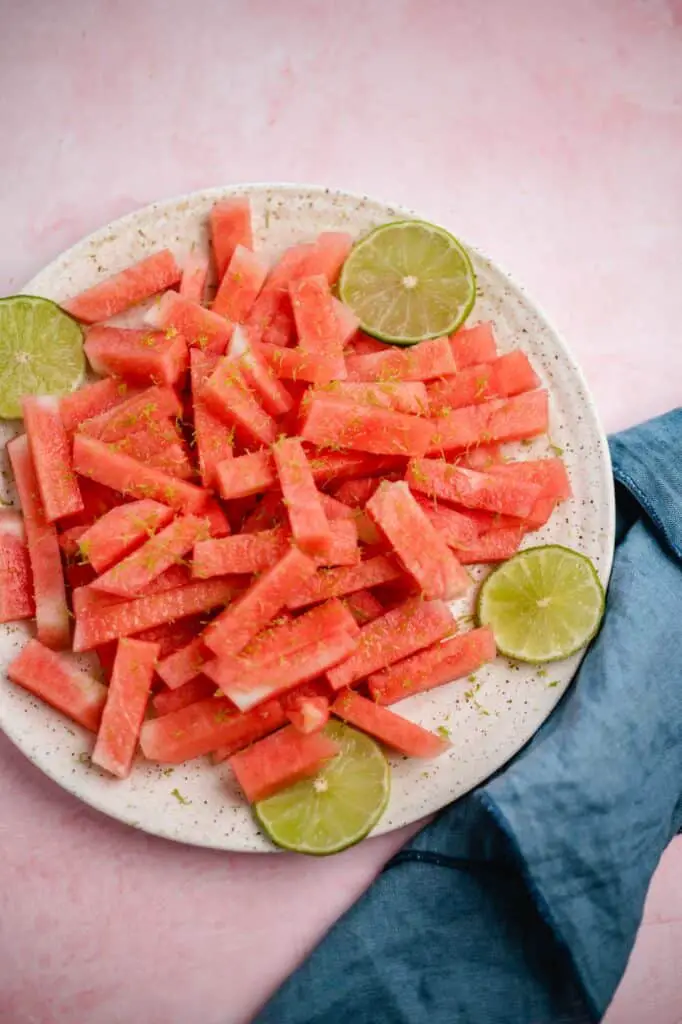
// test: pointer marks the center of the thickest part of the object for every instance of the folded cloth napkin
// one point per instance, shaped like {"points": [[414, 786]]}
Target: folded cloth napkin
{"points": [[519, 904]]}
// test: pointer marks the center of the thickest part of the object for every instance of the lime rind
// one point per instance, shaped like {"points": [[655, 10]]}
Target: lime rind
{"points": [[544, 604], [337, 807], [41, 351], [408, 281]]}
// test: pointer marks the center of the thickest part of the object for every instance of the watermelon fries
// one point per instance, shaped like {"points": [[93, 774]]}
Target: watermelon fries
{"points": [[257, 516]]}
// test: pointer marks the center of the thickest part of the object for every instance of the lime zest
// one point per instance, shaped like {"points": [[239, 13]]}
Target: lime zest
{"points": [[179, 797]]}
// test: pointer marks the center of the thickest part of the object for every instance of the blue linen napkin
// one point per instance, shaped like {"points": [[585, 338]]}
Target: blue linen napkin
{"points": [[519, 904]]}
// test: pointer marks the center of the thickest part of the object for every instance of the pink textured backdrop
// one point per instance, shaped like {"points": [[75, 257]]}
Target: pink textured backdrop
{"points": [[551, 135]]}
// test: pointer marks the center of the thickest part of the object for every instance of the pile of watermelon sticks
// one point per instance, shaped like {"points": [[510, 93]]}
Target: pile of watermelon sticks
{"points": [[258, 516]]}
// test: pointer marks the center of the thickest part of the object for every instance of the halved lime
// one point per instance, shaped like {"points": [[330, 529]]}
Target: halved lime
{"points": [[335, 808], [41, 351], [544, 604], [408, 281]]}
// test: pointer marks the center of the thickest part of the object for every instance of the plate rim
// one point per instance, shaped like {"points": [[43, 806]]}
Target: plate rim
{"points": [[222, 842]]}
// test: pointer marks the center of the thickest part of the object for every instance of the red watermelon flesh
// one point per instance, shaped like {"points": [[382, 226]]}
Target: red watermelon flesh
{"points": [[91, 400], [335, 509], [230, 226], [246, 475], [171, 636], [213, 438], [58, 680], [52, 613], [326, 255], [140, 411], [142, 357], [96, 461], [494, 546], [347, 320], [205, 726], [200, 327], [271, 679], [150, 276], [331, 421], [269, 512], [419, 546], [364, 606], [467, 487], [402, 735], [131, 681], [502, 419], [308, 713], [318, 326], [362, 344], [473, 345], [51, 454], [345, 580], [126, 618], [279, 329], [549, 474], [308, 522], [129, 577], [400, 632], [16, 581], [299, 365], [257, 373], [272, 307], [150, 447], [194, 275], [284, 637], [120, 530], [245, 617], [229, 397], [68, 540], [403, 396], [200, 688], [240, 285], [426, 361], [441, 663], [482, 457], [218, 523], [184, 664], [254, 552], [456, 529], [511, 374], [280, 760]]}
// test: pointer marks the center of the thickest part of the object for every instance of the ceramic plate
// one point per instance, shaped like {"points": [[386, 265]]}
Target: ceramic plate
{"points": [[489, 717]]}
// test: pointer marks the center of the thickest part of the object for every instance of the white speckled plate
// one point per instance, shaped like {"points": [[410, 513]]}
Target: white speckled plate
{"points": [[510, 701]]}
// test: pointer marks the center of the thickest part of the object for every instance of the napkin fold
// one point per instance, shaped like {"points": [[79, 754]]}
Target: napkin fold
{"points": [[519, 903]]}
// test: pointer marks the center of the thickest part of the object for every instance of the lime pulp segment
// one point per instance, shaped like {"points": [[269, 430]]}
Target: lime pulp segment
{"points": [[335, 808], [408, 281], [41, 351], [544, 604]]}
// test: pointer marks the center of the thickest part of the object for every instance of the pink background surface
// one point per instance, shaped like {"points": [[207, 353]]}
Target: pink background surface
{"points": [[551, 135]]}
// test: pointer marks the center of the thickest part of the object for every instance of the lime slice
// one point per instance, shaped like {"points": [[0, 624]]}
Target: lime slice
{"points": [[335, 808], [544, 604], [41, 351], [408, 281]]}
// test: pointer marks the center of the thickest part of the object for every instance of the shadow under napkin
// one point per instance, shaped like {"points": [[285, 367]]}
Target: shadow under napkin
{"points": [[520, 903]]}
